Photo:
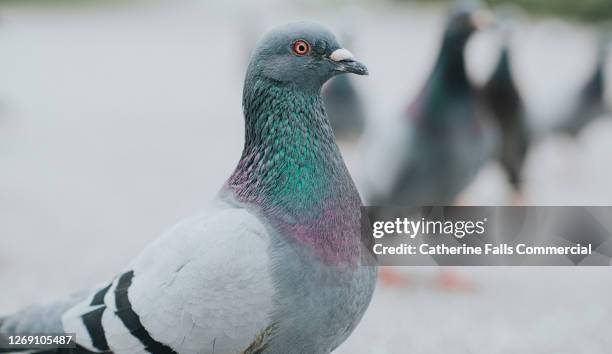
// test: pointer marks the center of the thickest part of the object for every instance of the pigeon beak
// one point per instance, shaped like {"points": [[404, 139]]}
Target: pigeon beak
{"points": [[482, 19], [346, 63]]}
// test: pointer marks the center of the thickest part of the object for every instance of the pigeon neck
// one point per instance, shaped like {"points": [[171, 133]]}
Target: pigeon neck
{"points": [[451, 63], [448, 80], [291, 169], [501, 93], [503, 73], [595, 86]]}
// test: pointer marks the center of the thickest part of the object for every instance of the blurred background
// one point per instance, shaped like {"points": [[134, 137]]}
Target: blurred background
{"points": [[120, 117]]}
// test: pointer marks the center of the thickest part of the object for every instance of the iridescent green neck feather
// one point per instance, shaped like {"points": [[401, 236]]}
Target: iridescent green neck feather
{"points": [[292, 169], [290, 160]]}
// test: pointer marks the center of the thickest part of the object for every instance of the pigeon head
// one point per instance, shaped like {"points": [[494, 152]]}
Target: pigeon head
{"points": [[464, 21], [304, 54]]}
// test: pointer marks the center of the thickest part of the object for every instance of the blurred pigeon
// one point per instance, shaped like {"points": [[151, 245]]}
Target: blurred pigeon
{"points": [[344, 108], [590, 103], [275, 265], [507, 107], [441, 142]]}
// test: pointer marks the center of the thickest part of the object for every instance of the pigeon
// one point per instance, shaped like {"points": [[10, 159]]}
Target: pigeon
{"points": [[441, 141], [344, 108], [275, 265], [507, 106], [590, 103], [440, 144]]}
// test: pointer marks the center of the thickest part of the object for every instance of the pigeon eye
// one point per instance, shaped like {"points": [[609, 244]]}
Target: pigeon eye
{"points": [[300, 47]]}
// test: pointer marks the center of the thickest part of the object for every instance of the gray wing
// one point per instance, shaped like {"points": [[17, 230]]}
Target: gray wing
{"points": [[160, 304]]}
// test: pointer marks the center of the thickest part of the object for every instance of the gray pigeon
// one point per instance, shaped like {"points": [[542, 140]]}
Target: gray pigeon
{"points": [[441, 141], [509, 110], [275, 265]]}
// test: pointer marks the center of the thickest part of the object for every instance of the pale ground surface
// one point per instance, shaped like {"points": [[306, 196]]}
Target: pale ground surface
{"points": [[116, 123]]}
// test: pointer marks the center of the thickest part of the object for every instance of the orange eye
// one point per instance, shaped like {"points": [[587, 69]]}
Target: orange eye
{"points": [[300, 47]]}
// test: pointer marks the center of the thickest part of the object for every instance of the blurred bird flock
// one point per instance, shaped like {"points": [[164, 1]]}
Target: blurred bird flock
{"points": [[113, 124]]}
